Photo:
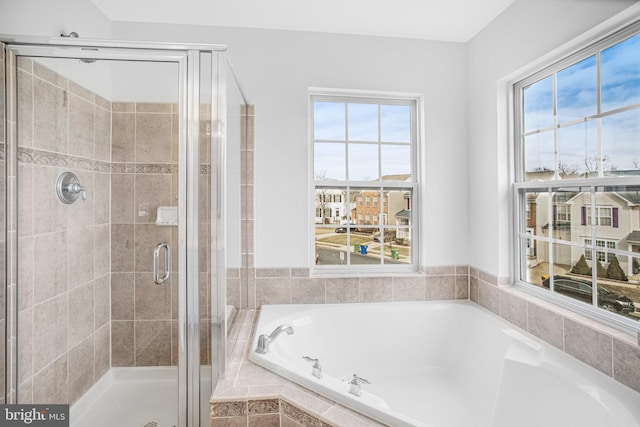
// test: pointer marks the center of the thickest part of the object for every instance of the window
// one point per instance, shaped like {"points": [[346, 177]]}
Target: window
{"points": [[562, 212], [577, 169], [603, 217], [365, 148], [602, 256]]}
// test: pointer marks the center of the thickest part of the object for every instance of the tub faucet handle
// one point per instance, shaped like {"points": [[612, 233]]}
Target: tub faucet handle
{"points": [[316, 370], [355, 387]]}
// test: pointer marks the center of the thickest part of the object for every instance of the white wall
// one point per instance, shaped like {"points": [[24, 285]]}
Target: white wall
{"points": [[277, 67], [526, 31], [51, 18], [48, 18]]}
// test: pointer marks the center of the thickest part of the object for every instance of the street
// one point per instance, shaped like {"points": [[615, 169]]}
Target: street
{"points": [[329, 256]]}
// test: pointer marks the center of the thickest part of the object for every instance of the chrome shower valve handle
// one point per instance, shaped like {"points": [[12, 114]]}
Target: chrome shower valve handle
{"points": [[68, 188], [76, 188]]}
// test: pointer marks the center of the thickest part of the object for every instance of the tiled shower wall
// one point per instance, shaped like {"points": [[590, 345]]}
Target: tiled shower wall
{"points": [[144, 176], [63, 250], [87, 300]]}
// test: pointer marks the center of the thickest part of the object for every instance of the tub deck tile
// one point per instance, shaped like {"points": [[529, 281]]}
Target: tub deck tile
{"points": [[339, 416], [304, 399], [265, 391]]}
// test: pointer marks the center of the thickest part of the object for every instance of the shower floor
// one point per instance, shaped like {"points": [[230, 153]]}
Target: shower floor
{"points": [[139, 397], [135, 397]]}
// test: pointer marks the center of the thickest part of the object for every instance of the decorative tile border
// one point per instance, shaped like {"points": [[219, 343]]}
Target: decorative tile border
{"points": [[47, 158], [138, 168], [267, 406], [228, 409], [300, 416]]}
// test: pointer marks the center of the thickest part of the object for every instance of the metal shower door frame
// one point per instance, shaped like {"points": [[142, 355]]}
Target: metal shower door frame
{"points": [[187, 56]]}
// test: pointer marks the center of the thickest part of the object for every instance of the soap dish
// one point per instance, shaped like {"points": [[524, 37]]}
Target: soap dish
{"points": [[167, 215]]}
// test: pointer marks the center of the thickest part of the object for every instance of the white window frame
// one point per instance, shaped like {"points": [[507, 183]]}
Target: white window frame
{"points": [[417, 137], [593, 185]]}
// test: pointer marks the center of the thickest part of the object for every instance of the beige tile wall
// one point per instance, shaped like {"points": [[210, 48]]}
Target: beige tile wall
{"points": [[63, 250], [294, 286]]}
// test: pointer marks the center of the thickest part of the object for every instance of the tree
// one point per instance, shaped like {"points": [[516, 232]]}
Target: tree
{"points": [[581, 267], [615, 272], [602, 272], [591, 164], [566, 170]]}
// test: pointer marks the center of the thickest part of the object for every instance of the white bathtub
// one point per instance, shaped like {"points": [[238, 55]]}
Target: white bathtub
{"points": [[440, 364]]}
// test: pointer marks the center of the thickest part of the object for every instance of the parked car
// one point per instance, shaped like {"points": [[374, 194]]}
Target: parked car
{"points": [[344, 229], [582, 290]]}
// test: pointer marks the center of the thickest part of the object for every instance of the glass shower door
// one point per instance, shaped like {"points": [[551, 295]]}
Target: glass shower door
{"points": [[3, 311], [113, 243]]}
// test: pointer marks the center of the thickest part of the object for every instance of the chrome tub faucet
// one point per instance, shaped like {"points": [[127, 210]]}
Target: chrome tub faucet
{"points": [[264, 340]]}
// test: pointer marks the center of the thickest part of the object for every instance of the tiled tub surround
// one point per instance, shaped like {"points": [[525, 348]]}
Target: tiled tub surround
{"points": [[251, 394], [294, 286], [63, 250], [615, 353], [238, 398], [425, 374]]}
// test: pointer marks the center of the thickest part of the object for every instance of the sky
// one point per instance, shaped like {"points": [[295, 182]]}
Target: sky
{"points": [[576, 100], [361, 141]]}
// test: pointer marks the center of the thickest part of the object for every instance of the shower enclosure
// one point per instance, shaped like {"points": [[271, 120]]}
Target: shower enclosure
{"points": [[114, 159]]}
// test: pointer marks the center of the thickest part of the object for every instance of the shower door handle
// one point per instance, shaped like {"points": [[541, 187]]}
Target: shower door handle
{"points": [[167, 263]]}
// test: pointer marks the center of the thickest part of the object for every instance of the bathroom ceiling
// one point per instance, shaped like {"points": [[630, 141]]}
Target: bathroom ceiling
{"points": [[447, 20]]}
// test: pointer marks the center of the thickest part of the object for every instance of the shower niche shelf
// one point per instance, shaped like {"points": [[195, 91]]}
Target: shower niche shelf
{"points": [[167, 215]]}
